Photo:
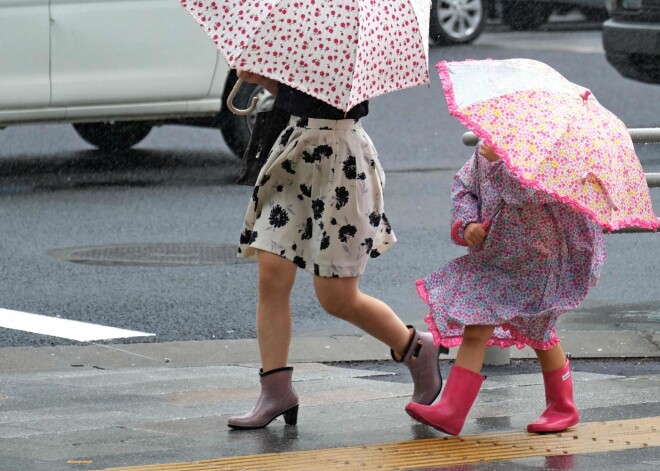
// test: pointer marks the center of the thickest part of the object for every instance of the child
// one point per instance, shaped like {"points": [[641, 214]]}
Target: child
{"points": [[318, 206], [537, 260]]}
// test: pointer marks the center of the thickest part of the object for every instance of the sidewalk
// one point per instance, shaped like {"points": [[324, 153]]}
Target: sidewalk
{"points": [[102, 406]]}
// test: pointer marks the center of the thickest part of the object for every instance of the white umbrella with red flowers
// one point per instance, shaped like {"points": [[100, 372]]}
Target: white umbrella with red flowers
{"points": [[340, 51]]}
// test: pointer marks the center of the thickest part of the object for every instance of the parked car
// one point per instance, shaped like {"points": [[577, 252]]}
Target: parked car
{"points": [[456, 22], [117, 68], [114, 69], [631, 39], [531, 14]]}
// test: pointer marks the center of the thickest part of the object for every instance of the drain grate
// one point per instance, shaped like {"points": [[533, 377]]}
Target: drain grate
{"points": [[158, 254]]}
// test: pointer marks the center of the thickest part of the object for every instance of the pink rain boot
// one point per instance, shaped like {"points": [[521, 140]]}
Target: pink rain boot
{"points": [[449, 414], [277, 398], [561, 412], [422, 359]]}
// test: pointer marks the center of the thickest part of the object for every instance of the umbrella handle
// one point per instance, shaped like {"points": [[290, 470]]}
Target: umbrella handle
{"points": [[454, 233], [230, 100], [486, 225], [457, 226]]}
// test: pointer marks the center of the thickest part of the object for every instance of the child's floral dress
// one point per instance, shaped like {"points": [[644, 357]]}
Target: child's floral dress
{"points": [[538, 261]]}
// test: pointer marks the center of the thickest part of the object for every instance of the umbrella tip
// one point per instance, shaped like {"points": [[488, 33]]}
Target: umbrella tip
{"points": [[586, 94]]}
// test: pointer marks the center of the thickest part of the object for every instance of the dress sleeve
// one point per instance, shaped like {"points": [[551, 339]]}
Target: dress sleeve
{"points": [[513, 191], [464, 194]]}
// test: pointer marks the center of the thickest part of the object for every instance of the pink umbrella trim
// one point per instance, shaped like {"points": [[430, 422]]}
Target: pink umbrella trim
{"points": [[486, 136]]}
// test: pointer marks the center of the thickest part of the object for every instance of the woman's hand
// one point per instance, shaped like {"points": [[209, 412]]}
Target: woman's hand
{"points": [[474, 234], [487, 153], [251, 77]]}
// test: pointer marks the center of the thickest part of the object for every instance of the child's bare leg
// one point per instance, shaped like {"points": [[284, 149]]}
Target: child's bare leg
{"points": [[473, 347], [276, 277], [552, 359]]}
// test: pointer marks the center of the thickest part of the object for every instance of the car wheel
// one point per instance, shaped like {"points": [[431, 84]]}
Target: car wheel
{"points": [[237, 129], [456, 21], [113, 137], [519, 15]]}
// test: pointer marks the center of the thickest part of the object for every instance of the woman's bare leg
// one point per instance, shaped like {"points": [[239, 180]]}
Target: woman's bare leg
{"points": [[472, 351], [342, 298], [276, 278]]}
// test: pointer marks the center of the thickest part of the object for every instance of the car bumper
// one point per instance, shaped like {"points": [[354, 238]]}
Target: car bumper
{"points": [[631, 38], [633, 49]]}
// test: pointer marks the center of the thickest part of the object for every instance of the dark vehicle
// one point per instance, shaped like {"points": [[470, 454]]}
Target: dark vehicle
{"points": [[530, 14], [631, 39]]}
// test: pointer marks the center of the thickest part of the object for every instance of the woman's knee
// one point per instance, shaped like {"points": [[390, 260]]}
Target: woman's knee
{"points": [[336, 297], [333, 304], [276, 274]]}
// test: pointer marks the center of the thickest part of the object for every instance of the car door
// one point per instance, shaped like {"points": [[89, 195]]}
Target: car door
{"points": [[127, 51], [24, 62]]}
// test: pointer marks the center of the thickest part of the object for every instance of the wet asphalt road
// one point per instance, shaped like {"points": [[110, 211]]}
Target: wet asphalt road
{"points": [[176, 187]]}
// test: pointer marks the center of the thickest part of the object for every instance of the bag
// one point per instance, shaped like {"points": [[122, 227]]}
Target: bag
{"points": [[267, 127]]}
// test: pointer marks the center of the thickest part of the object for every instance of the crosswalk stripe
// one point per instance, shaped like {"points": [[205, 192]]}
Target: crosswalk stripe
{"points": [[64, 328]]}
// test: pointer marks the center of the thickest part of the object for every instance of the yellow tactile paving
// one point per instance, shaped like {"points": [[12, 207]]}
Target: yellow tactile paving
{"points": [[433, 452]]}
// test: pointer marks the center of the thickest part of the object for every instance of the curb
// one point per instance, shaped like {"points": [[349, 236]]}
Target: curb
{"points": [[587, 344]]}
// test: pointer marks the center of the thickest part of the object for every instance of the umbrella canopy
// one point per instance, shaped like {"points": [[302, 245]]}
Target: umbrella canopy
{"points": [[553, 135], [340, 51]]}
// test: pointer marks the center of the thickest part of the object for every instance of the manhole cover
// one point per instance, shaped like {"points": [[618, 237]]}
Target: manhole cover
{"points": [[169, 255]]}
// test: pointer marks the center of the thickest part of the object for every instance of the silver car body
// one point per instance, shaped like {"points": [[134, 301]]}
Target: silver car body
{"points": [[91, 60]]}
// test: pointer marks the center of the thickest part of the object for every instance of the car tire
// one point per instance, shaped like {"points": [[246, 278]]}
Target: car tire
{"points": [[519, 15], [113, 136], [237, 129], [457, 22]]}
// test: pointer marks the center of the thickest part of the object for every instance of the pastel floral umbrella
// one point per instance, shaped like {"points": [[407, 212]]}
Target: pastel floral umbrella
{"points": [[340, 51], [553, 135]]}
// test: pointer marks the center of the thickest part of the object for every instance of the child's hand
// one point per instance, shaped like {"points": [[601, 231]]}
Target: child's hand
{"points": [[474, 234], [487, 153]]}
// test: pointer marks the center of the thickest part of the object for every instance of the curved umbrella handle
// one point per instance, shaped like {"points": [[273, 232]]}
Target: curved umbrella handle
{"points": [[230, 100], [486, 225], [454, 233]]}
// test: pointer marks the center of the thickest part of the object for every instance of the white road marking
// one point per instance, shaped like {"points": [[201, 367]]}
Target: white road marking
{"points": [[64, 328]]}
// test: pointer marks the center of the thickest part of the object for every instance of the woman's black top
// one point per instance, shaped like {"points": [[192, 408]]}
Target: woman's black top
{"points": [[300, 104]]}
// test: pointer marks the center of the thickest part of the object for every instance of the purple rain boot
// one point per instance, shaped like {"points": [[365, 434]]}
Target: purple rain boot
{"points": [[422, 359], [277, 398]]}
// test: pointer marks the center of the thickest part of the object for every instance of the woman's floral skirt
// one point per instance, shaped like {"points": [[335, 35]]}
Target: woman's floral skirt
{"points": [[318, 201]]}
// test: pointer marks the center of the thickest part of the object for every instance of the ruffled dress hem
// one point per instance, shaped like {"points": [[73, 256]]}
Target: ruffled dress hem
{"points": [[517, 339]]}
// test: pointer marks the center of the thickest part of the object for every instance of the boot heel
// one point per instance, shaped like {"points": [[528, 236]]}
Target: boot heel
{"points": [[291, 416]]}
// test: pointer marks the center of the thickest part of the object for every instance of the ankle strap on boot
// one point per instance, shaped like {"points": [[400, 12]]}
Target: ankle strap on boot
{"points": [[276, 370]]}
